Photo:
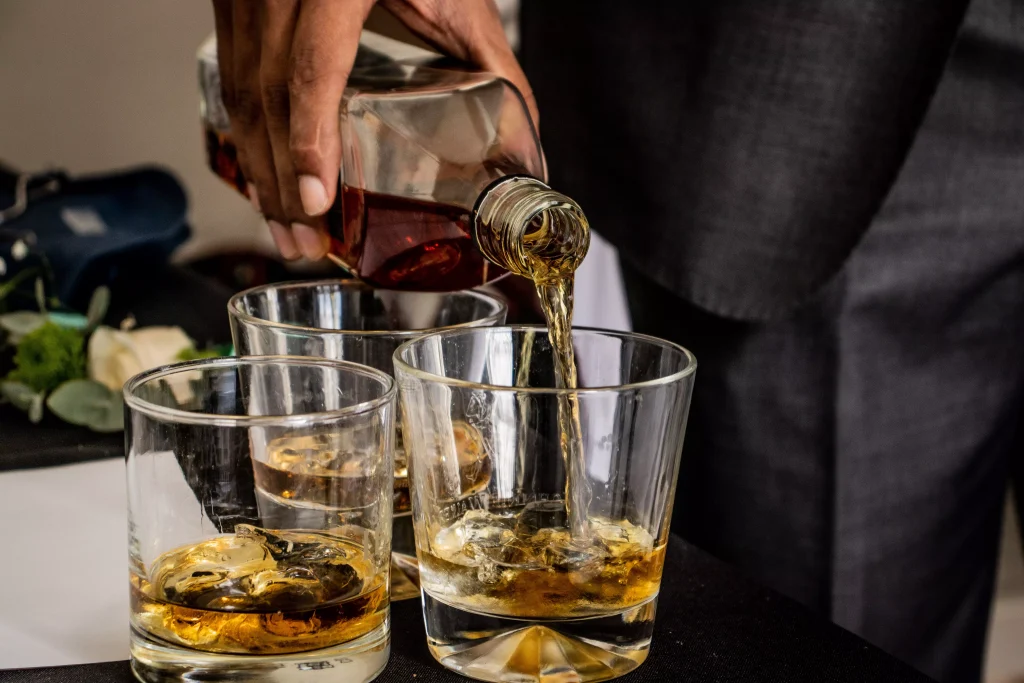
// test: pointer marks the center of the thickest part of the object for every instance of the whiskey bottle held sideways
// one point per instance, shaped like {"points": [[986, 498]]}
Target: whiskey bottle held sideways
{"points": [[441, 175]]}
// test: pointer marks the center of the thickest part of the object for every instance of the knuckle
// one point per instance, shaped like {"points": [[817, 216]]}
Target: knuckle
{"points": [[248, 107], [305, 155], [309, 70], [276, 101]]}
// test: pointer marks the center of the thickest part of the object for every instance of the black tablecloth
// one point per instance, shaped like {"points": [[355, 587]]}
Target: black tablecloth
{"points": [[713, 624], [23, 445]]}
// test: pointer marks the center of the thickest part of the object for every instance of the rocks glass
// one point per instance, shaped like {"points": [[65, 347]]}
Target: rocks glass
{"points": [[259, 501], [518, 584], [347, 320]]}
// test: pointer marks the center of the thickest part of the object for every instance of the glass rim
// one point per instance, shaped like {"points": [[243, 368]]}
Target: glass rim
{"points": [[236, 311], [178, 415], [687, 371]]}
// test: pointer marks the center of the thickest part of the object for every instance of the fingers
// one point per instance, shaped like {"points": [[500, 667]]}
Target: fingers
{"points": [[323, 39], [244, 110], [470, 31], [288, 85], [491, 50], [324, 48], [279, 20], [284, 65], [249, 124]]}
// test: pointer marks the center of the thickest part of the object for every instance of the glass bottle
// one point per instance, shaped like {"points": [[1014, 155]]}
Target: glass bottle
{"points": [[441, 184]]}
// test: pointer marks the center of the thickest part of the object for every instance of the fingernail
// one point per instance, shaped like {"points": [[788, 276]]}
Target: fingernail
{"points": [[284, 240], [313, 195], [311, 242], [254, 197]]}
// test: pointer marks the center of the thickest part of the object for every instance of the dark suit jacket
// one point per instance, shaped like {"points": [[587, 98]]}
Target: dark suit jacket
{"points": [[735, 151]]}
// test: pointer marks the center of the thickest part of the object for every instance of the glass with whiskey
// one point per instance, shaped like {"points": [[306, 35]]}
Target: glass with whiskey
{"points": [[347, 320], [259, 501], [545, 562]]}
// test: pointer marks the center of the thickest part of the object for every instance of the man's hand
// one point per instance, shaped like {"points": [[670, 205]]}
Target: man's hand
{"points": [[284, 64]]}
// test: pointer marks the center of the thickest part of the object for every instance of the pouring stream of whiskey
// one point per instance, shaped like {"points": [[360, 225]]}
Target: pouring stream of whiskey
{"points": [[551, 254], [556, 298], [547, 249]]}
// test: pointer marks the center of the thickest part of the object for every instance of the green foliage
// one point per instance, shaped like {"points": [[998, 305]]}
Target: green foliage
{"points": [[24, 398], [40, 291], [212, 352], [89, 404], [196, 354], [16, 325], [98, 305], [48, 356], [7, 288]]}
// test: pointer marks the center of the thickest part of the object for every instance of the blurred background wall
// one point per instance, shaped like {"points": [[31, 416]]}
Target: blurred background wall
{"points": [[103, 84]]}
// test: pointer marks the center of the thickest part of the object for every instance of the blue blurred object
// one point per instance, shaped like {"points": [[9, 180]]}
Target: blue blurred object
{"points": [[89, 228]]}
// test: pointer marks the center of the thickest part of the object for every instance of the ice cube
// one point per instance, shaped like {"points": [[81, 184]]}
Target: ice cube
{"points": [[556, 549], [209, 574], [306, 557], [488, 573], [480, 536], [541, 514], [621, 537], [293, 587], [259, 570], [474, 464]]}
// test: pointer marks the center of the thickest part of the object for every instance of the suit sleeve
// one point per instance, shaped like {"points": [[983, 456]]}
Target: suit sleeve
{"points": [[735, 151]]}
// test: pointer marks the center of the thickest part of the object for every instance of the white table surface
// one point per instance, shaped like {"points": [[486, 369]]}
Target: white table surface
{"points": [[63, 565]]}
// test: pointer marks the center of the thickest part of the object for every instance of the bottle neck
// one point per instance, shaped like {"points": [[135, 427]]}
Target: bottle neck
{"points": [[525, 227]]}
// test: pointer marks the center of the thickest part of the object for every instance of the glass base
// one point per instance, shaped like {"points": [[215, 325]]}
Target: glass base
{"points": [[357, 661], [507, 650]]}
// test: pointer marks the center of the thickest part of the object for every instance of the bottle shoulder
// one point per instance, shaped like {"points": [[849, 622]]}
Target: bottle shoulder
{"points": [[418, 78]]}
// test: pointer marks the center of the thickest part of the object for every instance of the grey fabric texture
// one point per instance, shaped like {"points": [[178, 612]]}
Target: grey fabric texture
{"points": [[736, 151], [855, 454]]}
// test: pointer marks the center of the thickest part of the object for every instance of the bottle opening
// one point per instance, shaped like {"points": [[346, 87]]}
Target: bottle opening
{"points": [[553, 241], [527, 228]]}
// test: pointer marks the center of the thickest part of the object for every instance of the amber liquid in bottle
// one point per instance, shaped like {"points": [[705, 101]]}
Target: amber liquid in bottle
{"points": [[222, 158], [387, 241], [400, 243]]}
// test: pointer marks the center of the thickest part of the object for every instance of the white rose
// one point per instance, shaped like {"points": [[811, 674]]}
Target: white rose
{"points": [[115, 356]]}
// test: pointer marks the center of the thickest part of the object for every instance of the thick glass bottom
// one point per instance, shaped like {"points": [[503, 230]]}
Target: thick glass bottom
{"points": [[506, 650], [357, 661]]}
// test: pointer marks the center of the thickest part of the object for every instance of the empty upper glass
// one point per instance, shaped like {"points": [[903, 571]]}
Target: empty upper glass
{"points": [[348, 320]]}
